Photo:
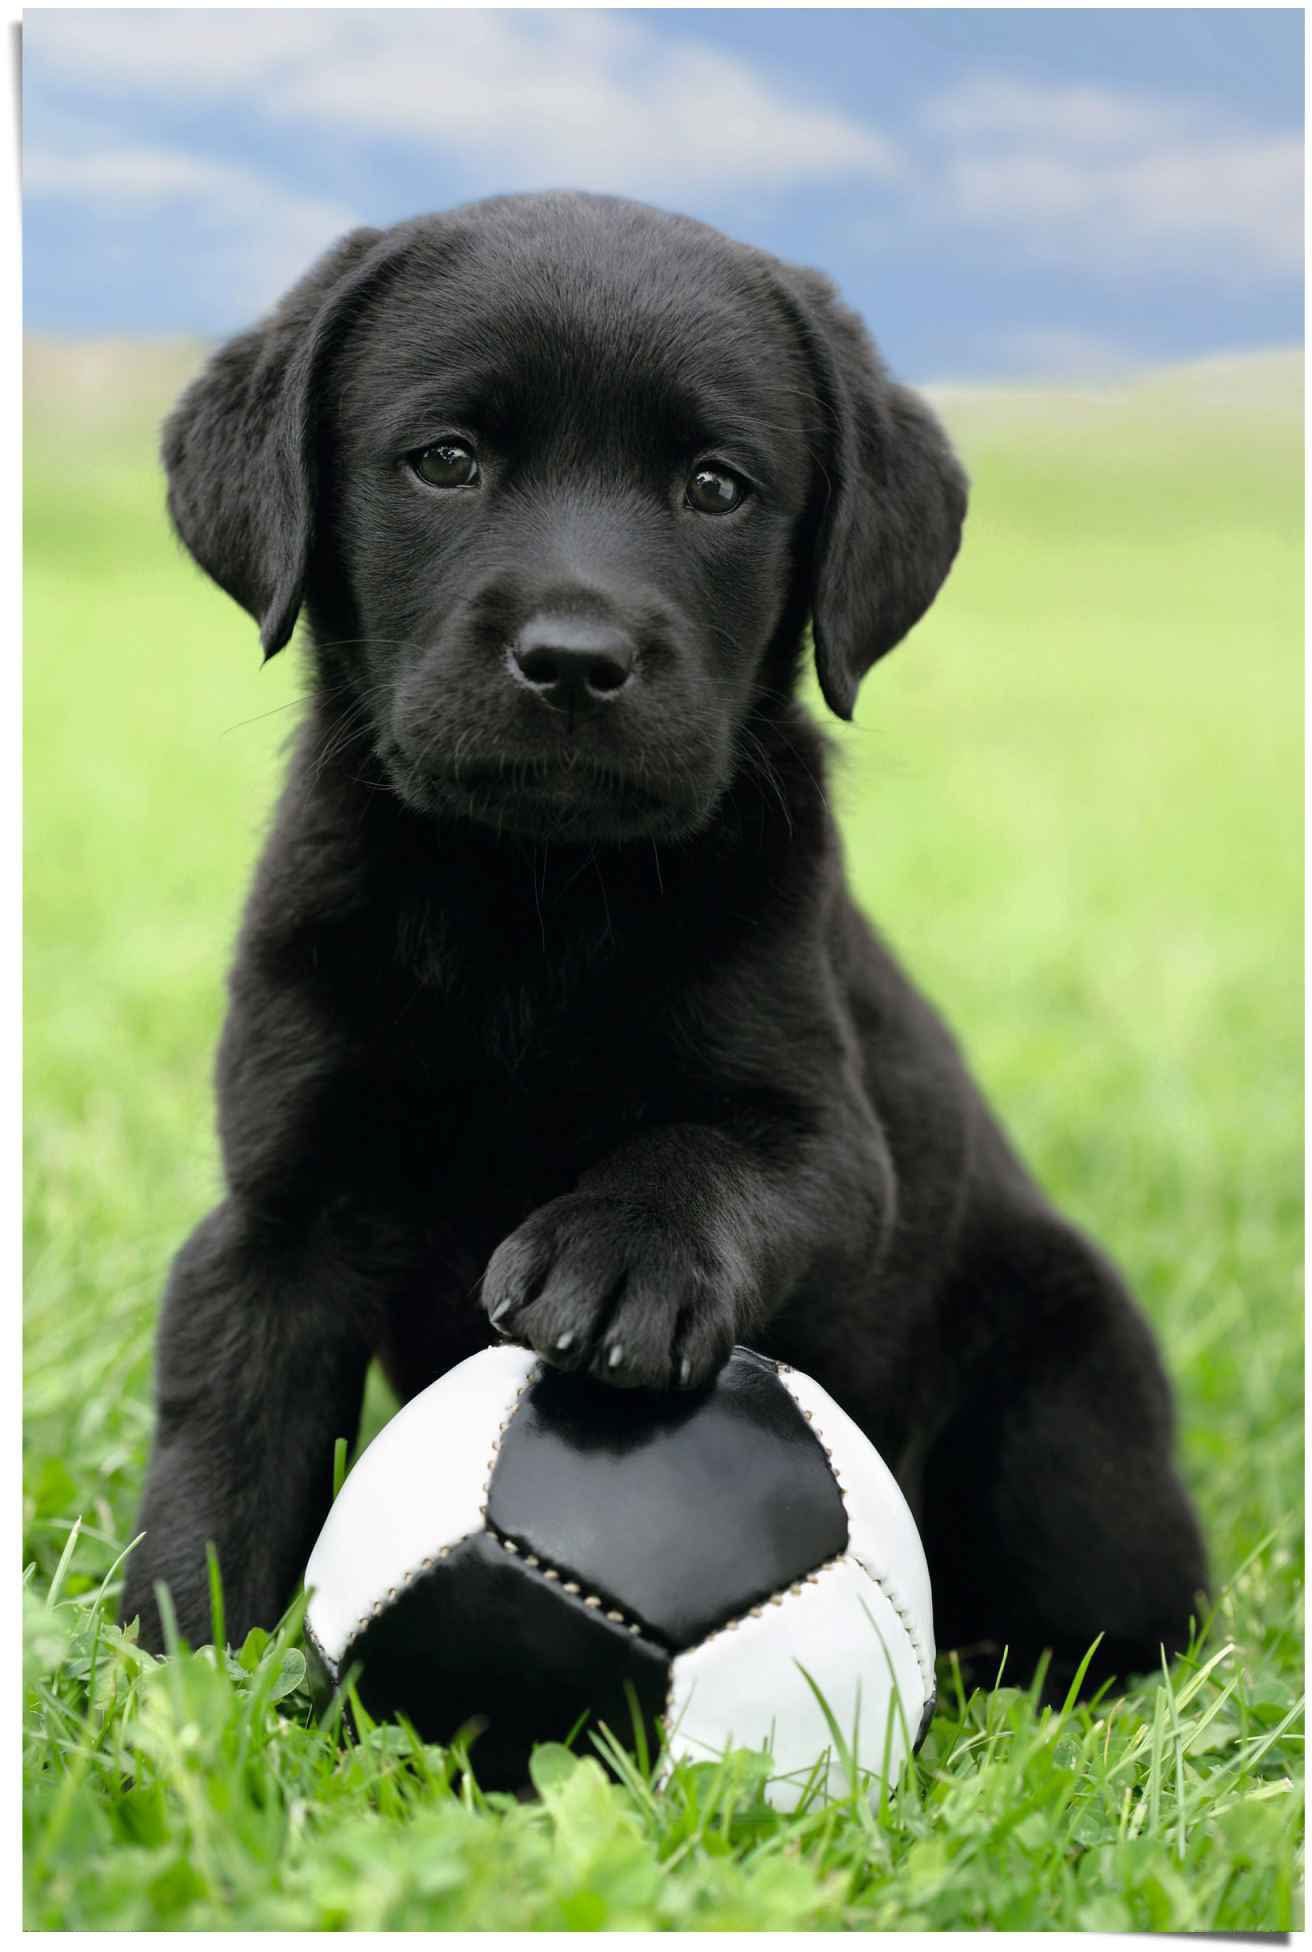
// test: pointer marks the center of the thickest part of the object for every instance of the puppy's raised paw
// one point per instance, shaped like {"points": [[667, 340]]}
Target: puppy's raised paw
{"points": [[617, 1289]]}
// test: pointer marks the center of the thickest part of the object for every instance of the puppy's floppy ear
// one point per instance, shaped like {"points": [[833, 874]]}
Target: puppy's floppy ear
{"points": [[891, 514], [239, 447]]}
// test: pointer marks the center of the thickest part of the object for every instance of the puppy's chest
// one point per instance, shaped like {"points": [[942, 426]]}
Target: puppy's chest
{"points": [[514, 998], [517, 1124], [570, 1057], [518, 1044]]}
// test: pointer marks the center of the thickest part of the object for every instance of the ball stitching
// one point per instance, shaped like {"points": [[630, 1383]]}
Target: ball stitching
{"points": [[403, 1585], [531, 1377], [594, 1602], [771, 1599], [884, 1584], [894, 1599]]}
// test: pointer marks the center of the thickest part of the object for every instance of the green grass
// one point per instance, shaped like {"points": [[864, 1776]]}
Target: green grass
{"points": [[1073, 802]]}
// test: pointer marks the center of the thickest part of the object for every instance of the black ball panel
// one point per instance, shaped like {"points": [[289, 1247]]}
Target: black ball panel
{"points": [[484, 1635], [708, 1503]]}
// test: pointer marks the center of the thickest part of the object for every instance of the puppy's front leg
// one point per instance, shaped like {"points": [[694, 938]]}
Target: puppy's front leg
{"points": [[261, 1359], [687, 1240]]}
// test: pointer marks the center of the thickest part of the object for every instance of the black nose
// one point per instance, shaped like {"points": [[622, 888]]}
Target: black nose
{"points": [[571, 660]]}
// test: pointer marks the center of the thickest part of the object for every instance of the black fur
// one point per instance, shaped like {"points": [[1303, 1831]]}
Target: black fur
{"points": [[550, 1001]]}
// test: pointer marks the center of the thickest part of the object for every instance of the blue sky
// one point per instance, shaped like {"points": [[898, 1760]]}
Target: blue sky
{"points": [[1037, 193]]}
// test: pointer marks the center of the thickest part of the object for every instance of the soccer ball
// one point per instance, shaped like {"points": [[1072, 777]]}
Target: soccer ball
{"points": [[536, 1551]]}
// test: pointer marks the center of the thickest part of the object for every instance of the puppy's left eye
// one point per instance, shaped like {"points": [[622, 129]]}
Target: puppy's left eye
{"points": [[714, 491], [447, 464]]}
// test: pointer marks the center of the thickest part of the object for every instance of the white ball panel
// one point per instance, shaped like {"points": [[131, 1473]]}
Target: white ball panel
{"points": [[882, 1532], [420, 1485], [743, 1688]]}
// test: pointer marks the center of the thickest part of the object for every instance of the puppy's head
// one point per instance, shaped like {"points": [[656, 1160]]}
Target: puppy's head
{"points": [[559, 480]]}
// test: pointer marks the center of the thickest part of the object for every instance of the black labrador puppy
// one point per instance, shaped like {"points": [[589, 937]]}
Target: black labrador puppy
{"points": [[552, 1015]]}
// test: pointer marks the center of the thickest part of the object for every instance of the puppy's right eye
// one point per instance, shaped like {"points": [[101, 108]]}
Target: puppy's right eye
{"points": [[447, 464], [714, 491]]}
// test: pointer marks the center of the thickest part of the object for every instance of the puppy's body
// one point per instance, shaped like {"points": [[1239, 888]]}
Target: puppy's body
{"points": [[550, 1002]]}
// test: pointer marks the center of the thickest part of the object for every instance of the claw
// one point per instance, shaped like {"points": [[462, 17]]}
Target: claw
{"points": [[616, 1356]]}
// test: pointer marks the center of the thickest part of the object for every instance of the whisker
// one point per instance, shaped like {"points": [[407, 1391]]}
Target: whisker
{"points": [[760, 767], [289, 705]]}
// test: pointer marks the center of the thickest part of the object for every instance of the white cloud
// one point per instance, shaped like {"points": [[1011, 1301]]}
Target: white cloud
{"points": [[242, 230], [132, 174], [619, 107], [1088, 177], [1079, 116], [597, 100], [189, 51]]}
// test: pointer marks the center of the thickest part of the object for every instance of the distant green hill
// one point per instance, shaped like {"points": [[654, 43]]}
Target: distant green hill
{"points": [[115, 381]]}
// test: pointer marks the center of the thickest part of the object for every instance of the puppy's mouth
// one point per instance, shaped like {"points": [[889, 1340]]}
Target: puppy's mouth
{"points": [[566, 800]]}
